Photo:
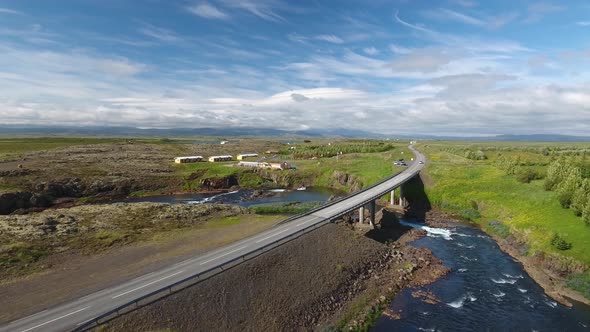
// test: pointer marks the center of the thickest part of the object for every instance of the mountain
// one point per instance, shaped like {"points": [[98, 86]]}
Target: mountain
{"points": [[8, 131]]}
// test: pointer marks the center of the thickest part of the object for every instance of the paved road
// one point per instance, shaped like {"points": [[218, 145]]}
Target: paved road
{"points": [[76, 313]]}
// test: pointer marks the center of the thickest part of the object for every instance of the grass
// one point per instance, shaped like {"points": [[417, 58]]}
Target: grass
{"points": [[526, 211], [284, 208], [15, 147]]}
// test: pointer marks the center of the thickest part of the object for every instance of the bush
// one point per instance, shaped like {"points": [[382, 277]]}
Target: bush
{"points": [[526, 175], [559, 243], [499, 228], [586, 214]]}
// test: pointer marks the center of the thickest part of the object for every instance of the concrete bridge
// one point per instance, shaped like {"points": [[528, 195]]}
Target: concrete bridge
{"points": [[97, 308]]}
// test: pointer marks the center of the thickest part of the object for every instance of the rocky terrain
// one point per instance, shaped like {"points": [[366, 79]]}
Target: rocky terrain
{"points": [[332, 277], [27, 240]]}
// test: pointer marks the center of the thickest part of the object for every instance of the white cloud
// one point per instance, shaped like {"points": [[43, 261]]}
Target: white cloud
{"points": [[421, 61], [207, 10], [539, 10], [399, 49], [451, 15], [371, 50], [330, 39], [161, 34], [10, 11], [583, 23], [265, 9]]}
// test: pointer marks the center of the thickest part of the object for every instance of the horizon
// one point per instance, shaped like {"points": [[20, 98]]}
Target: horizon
{"points": [[461, 68]]}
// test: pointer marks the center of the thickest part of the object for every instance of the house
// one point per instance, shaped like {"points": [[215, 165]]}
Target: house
{"points": [[246, 156], [254, 164], [214, 159], [189, 159], [282, 165], [224, 142], [272, 151]]}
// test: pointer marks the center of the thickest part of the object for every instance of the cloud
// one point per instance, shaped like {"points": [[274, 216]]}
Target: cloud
{"points": [[10, 11], [411, 26], [465, 3], [421, 61], [330, 39], [265, 9], [371, 50], [161, 34], [583, 23], [299, 97], [539, 10], [399, 49], [451, 15], [206, 10]]}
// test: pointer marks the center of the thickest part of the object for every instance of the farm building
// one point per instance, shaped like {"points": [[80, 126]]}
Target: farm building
{"points": [[246, 156], [263, 164], [189, 159], [272, 151], [219, 158], [282, 165], [254, 164]]}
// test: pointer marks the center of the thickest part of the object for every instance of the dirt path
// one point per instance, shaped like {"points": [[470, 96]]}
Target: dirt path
{"points": [[77, 275]]}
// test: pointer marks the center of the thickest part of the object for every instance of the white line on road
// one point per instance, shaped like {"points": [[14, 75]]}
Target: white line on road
{"points": [[149, 283], [272, 235], [227, 253], [53, 320]]}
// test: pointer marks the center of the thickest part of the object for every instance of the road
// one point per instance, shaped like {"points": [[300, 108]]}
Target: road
{"points": [[77, 313]]}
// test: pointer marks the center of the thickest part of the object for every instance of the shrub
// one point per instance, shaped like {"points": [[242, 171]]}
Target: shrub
{"points": [[526, 175], [586, 214], [558, 242]]}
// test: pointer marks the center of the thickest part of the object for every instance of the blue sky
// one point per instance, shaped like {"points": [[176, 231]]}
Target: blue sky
{"points": [[455, 67]]}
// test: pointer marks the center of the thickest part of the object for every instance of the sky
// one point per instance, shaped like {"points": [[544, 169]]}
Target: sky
{"points": [[448, 67]]}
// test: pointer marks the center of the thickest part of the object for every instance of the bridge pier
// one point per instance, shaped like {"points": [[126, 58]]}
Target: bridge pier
{"points": [[392, 198], [372, 207], [361, 214], [401, 196]]}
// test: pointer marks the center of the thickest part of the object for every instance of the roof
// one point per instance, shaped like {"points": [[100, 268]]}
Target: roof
{"points": [[189, 157], [220, 157], [248, 155]]}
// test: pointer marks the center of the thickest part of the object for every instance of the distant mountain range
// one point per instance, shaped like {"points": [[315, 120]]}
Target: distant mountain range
{"points": [[8, 131]]}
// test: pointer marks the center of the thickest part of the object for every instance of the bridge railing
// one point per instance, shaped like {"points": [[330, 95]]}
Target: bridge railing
{"points": [[190, 281]]}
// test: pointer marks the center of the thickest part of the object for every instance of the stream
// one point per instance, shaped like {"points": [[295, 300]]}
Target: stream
{"points": [[487, 290], [243, 197]]}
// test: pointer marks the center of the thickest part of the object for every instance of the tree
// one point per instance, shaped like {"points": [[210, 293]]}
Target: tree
{"points": [[556, 173], [566, 188], [581, 197], [586, 214]]}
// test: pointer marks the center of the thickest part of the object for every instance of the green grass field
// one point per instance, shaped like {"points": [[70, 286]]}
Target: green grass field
{"points": [[17, 146], [482, 192]]}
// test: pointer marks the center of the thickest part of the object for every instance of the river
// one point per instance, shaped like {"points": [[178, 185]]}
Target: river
{"points": [[486, 291], [243, 197]]}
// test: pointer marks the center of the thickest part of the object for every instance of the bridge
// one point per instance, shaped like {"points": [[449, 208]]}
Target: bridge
{"points": [[97, 308]]}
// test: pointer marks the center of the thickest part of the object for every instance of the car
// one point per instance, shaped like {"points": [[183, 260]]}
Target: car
{"points": [[420, 162]]}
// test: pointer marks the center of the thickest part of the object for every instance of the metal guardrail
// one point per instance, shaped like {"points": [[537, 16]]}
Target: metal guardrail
{"points": [[192, 280], [196, 278]]}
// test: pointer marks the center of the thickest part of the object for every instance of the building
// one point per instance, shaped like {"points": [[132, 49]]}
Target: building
{"points": [[272, 151], [224, 142], [246, 156], [189, 159], [214, 159], [254, 164], [282, 165]]}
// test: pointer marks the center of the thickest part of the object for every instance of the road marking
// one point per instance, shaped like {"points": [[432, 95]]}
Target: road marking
{"points": [[227, 253], [305, 222], [149, 283], [272, 235], [53, 320]]}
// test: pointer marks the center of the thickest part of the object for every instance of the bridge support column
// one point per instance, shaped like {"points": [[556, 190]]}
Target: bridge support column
{"points": [[392, 198], [401, 196], [361, 214], [372, 207]]}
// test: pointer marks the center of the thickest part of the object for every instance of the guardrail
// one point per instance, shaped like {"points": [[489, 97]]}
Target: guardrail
{"points": [[192, 280]]}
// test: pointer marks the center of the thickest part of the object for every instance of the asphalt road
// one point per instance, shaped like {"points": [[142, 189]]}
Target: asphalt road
{"points": [[74, 314]]}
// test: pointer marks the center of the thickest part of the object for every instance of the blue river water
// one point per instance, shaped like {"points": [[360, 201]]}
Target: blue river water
{"points": [[242, 197], [487, 290]]}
